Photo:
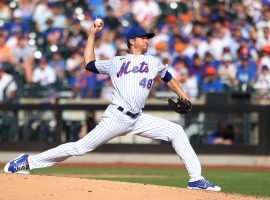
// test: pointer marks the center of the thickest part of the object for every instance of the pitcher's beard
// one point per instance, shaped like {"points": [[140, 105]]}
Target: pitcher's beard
{"points": [[144, 49]]}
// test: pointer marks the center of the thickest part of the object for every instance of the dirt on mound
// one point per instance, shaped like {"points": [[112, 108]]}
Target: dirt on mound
{"points": [[34, 187]]}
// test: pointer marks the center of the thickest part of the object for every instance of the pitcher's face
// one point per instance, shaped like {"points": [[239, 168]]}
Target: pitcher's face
{"points": [[140, 44]]}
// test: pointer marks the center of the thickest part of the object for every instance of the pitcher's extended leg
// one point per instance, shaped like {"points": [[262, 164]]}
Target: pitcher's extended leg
{"points": [[161, 129], [106, 130]]}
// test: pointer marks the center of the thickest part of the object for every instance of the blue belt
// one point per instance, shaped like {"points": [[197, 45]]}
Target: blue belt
{"points": [[130, 114]]}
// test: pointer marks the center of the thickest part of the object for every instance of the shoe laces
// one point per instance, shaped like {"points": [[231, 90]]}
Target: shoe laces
{"points": [[206, 182], [21, 166]]}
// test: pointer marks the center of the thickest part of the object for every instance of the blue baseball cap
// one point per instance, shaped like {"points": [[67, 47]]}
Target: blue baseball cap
{"points": [[137, 31]]}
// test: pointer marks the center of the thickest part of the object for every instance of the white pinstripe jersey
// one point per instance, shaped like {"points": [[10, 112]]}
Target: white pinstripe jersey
{"points": [[132, 77]]}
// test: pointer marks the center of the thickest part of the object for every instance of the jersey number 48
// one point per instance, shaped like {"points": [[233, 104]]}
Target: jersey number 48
{"points": [[146, 83]]}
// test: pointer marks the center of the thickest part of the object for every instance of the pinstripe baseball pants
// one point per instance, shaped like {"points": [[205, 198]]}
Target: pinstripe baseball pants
{"points": [[115, 123]]}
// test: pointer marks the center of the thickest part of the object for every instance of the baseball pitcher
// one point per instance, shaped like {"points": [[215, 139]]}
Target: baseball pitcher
{"points": [[132, 76]]}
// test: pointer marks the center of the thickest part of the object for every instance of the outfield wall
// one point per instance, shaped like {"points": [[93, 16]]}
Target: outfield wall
{"points": [[36, 126]]}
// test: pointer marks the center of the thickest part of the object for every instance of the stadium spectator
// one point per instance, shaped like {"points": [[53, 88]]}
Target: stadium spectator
{"points": [[44, 74], [263, 21], [265, 39], [110, 20], [75, 60], [58, 64], [227, 72], [58, 16], [17, 27], [247, 48], [209, 60], [13, 38], [76, 35], [145, 12], [224, 135], [176, 68], [178, 52], [187, 25], [195, 39], [53, 40], [189, 84], [161, 49], [253, 9], [123, 12], [24, 58], [103, 46], [220, 13], [97, 7], [5, 11], [211, 44], [82, 83], [26, 7], [5, 51], [197, 68], [210, 82], [246, 73], [262, 83], [41, 14], [265, 58], [204, 45], [8, 86]]}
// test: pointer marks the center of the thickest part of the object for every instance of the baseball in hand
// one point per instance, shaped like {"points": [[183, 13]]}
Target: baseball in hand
{"points": [[98, 22]]}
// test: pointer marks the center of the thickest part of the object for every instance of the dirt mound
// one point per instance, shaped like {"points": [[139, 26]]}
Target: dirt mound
{"points": [[34, 187]]}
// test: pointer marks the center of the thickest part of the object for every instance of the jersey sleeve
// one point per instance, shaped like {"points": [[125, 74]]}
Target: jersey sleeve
{"points": [[104, 66], [162, 69]]}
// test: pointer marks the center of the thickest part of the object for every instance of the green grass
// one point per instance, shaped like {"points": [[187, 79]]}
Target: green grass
{"points": [[232, 181]]}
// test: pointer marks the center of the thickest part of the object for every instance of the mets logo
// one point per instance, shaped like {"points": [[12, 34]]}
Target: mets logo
{"points": [[125, 69]]}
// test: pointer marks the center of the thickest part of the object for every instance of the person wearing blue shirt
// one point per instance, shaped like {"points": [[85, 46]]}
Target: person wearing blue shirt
{"points": [[210, 82], [209, 60], [246, 71]]}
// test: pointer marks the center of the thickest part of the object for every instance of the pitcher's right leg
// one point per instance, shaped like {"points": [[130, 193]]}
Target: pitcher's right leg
{"points": [[158, 128], [161, 129]]}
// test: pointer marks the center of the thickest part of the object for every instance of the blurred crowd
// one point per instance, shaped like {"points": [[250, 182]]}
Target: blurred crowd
{"points": [[208, 45]]}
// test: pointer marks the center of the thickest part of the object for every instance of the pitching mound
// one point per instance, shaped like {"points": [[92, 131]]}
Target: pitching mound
{"points": [[34, 187]]}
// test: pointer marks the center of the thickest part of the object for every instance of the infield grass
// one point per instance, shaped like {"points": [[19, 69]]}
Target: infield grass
{"points": [[232, 181]]}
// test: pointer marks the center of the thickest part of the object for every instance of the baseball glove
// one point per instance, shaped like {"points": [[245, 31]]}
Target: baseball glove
{"points": [[182, 106]]}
